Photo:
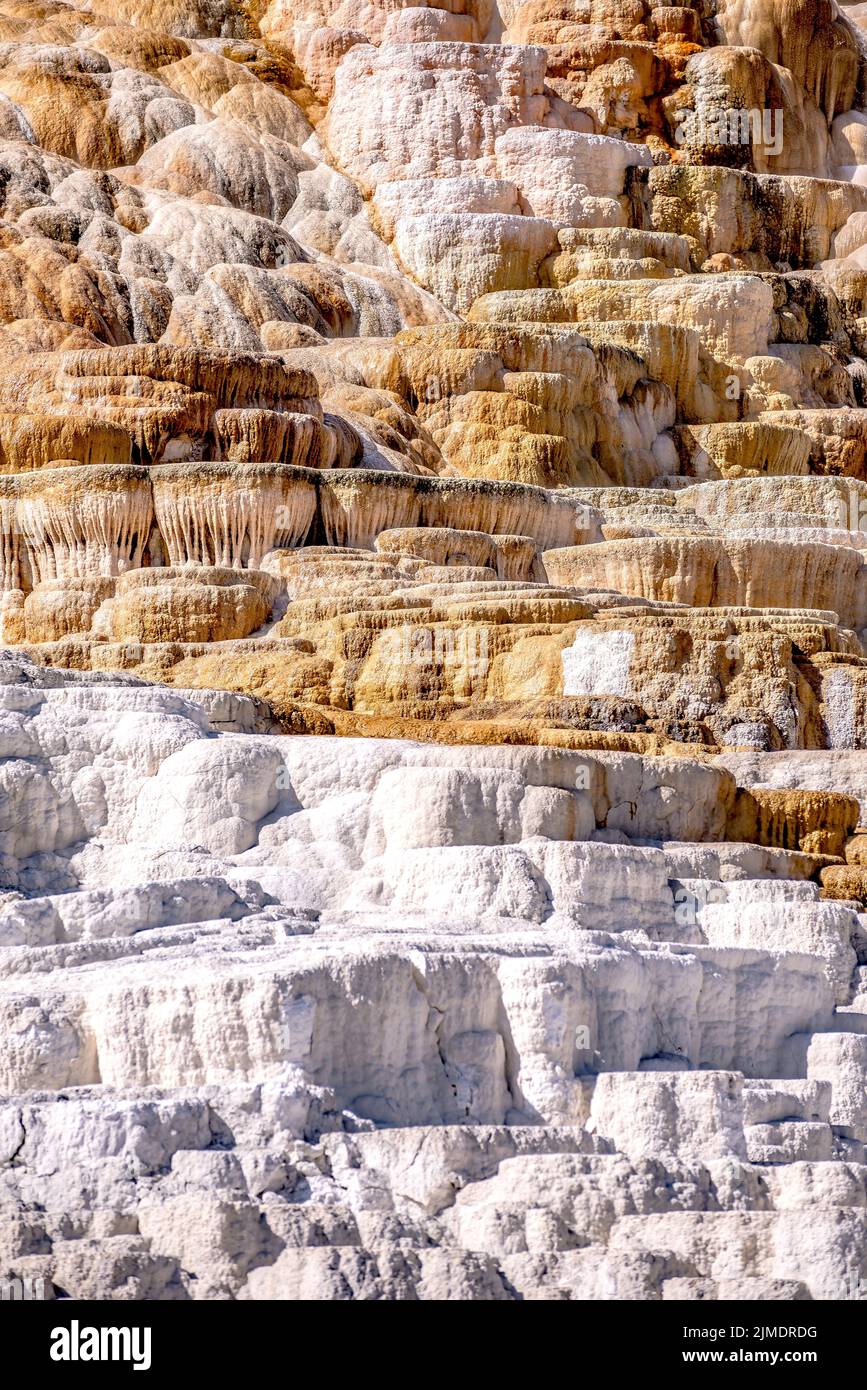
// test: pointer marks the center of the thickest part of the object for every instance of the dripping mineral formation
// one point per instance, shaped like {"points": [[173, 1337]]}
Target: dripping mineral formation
{"points": [[433, 687]]}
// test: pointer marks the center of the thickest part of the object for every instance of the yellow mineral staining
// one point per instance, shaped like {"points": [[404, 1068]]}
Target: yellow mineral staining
{"points": [[712, 572], [508, 557], [43, 441], [58, 608], [190, 603], [741, 449], [250, 435], [846, 881], [816, 822]]}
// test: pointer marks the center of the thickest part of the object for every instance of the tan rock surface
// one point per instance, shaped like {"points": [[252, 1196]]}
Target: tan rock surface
{"points": [[433, 694]]}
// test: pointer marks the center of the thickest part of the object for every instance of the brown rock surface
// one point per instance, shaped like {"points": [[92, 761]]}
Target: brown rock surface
{"points": [[433, 694]]}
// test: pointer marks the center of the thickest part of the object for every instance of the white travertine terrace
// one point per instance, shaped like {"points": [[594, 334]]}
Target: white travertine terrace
{"points": [[433, 685]]}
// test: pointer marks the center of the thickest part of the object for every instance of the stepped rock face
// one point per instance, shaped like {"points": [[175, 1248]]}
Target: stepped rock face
{"points": [[433, 682]]}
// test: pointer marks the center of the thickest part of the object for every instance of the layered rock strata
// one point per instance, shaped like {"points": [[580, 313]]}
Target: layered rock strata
{"points": [[373, 1019], [433, 696]]}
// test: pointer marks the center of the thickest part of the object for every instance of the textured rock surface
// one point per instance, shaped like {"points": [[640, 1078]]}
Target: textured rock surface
{"points": [[433, 691], [617, 1015]]}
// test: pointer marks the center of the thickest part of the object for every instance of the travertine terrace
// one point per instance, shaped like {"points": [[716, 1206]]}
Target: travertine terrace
{"points": [[433, 686]]}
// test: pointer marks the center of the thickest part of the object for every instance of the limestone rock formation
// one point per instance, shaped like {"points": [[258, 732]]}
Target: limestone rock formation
{"points": [[433, 684]]}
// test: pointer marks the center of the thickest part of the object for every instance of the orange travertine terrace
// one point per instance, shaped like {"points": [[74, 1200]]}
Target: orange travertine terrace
{"points": [[433, 690]]}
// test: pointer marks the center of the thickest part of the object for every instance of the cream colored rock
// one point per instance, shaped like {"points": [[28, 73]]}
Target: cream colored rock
{"points": [[732, 315], [433, 703], [462, 256], [712, 572]]}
